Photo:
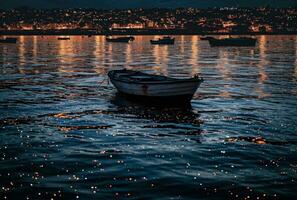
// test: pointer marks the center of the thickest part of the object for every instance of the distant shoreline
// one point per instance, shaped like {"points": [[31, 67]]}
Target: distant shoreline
{"points": [[133, 32]]}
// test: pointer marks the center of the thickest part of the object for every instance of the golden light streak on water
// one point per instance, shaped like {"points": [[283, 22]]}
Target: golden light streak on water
{"points": [[34, 50], [157, 58], [263, 60], [22, 57], [262, 65], [138, 40], [296, 57], [294, 90], [165, 59], [99, 54], [109, 54], [66, 51], [102, 44], [194, 55], [129, 60], [162, 54], [223, 67], [182, 46]]}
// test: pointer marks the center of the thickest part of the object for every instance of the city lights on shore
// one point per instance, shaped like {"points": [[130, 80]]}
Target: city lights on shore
{"points": [[216, 20]]}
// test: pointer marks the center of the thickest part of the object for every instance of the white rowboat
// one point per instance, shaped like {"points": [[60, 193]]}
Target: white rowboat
{"points": [[147, 86]]}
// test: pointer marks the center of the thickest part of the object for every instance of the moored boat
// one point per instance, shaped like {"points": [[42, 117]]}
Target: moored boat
{"points": [[8, 40], [63, 38], [120, 39], [164, 40], [206, 38], [241, 41], [132, 38], [147, 87]]}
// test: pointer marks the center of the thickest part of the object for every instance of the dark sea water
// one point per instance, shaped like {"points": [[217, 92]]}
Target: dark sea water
{"points": [[66, 134]]}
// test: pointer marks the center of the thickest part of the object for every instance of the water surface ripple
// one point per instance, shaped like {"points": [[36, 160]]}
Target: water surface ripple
{"points": [[66, 134]]}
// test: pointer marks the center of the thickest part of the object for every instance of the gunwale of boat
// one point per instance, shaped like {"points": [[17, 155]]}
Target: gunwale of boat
{"points": [[127, 77]]}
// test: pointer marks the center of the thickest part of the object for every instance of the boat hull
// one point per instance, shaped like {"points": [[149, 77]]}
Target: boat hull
{"points": [[247, 42], [8, 40], [176, 100], [168, 90], [61, 38], [160, 42], [121, 39], [156, 90], [206, 38]]}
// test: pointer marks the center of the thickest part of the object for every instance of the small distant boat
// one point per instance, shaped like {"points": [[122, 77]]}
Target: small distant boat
{"points": [[8, 40], [143, 86], [63, 38], [164, 40], [241, 41], [132, 38], [120, 39], [206, 38]]}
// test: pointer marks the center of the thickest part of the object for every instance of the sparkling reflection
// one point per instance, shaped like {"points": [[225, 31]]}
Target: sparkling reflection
{"points": [[35, 45], [194, 55], [109, 55], [262, 65], [64, 136], [263, 60], [128, 55], [224, 68], [160, 53], [296, 57], [99, 55], [22, 56], [182, 46]]}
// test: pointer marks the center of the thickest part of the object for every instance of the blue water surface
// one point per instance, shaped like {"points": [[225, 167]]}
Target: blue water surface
{"points": [[66, 134]]}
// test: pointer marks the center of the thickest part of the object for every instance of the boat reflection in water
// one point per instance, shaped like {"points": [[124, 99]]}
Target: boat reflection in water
{"points": [[241, 41], [164, 40], [8, 40], [158, 112], [206, 38]]}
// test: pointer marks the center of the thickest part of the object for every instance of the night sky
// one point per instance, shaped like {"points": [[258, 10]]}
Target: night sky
{"points": [[108, 4]]}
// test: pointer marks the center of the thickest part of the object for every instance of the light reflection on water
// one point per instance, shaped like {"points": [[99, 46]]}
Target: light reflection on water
{"points": [[295, 57], [66, 133]]}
